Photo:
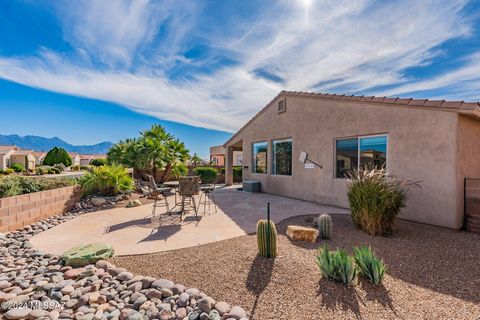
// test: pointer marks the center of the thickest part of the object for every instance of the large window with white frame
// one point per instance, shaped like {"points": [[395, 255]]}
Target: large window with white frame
{"points": [[360, 152], [282, 157], [259, 157]]}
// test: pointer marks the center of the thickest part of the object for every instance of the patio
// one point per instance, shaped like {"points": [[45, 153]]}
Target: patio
{"points": [[131, 230]]}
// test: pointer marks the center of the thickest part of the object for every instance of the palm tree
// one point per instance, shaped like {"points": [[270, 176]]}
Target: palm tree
{"points": [[176, 153]]}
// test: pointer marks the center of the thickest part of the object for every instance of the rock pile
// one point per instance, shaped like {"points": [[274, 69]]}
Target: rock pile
{"points": [[35, 285]]}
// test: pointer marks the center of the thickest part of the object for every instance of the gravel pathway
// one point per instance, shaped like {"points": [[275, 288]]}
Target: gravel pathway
{"points": [[433, 273]]}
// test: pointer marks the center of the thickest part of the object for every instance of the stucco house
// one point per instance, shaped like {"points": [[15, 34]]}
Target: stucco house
{"points": [[301, 144], [23, 157], [5, 154], [39, 156], [75, 158], [217, 156]]}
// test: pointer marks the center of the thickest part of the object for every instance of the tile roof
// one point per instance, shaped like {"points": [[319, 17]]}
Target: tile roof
{"points": [[5, 149], [471, 108], [39, 154]]}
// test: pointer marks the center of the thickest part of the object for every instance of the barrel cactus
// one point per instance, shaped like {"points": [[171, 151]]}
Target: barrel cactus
{"points": [[325, 226], [267, 239]]}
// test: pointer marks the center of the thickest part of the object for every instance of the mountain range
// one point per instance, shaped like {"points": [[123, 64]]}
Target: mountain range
{"points": [[38, 143]]}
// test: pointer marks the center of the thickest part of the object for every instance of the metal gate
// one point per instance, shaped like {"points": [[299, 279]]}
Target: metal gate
{"points": [[472, 204]]}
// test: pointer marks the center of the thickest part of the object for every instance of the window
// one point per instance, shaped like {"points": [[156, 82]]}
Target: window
{"points": [[363, 152], [346, 156], [259, 157], [282, 157]]}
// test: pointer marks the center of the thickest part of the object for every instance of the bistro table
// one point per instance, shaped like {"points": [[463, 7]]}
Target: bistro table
{"points": [[174, 185]]}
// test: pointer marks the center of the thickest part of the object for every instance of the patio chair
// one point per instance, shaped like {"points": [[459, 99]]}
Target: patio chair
{"points": [[206, 190], [158, 194], [188, 188]]}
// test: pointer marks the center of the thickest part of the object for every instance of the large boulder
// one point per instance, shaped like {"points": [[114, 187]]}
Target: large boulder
{"points": [[299, 233], [97, 201], [87, 254]]}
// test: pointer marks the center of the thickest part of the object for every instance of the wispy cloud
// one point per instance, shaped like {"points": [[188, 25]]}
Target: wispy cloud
{"points": [[125, 51]]}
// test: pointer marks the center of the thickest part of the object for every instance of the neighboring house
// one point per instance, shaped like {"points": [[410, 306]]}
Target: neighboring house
{"points": [[39, 156], [75, 158], [23, 157], [86, 159], [217, 156], [5, 154], [435, 142]]}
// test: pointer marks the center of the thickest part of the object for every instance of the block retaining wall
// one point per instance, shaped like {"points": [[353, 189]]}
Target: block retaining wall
{"points": [[19, 211]]}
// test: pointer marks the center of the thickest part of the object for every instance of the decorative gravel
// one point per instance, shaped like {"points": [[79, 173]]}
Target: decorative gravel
{"points": [[434, 273]]}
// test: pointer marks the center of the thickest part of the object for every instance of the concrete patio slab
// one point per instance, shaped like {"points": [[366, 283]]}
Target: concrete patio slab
{"points": [[132, 231]]}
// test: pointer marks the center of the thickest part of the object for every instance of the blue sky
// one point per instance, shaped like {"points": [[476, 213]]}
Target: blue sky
{"points": [[89, 71]]}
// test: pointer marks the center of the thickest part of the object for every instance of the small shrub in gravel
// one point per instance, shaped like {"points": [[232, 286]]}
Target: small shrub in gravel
{"points": [[336, 265], [369, 265]]}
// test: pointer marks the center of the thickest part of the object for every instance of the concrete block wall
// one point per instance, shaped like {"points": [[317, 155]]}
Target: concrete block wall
{"points": [[19, 211]]}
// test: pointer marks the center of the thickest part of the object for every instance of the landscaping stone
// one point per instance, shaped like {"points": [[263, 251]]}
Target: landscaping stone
{"points": [[87, 254], [299, 233], [18, 313], [134, 203], [97, 201]]}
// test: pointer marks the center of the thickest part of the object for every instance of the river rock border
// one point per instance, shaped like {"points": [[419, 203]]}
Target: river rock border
{"points": [[35, 285]]}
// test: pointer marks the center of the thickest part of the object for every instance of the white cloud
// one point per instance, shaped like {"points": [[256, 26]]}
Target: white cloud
{"points": [[360, 43]]}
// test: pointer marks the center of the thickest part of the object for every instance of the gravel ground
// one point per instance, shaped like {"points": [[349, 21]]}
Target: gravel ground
{"points": [[434, 273]]}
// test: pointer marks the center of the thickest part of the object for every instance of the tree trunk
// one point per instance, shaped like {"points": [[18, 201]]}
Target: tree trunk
{"points": [[154, 172], [166, 173]]}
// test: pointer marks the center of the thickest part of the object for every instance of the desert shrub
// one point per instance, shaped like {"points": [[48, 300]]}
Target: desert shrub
{"points": [[41, 170], [75, 167], [206, 174], [60, 166], [8, 171], [107, 180], [375, 199], [54, 170], [336, 265], [16, 185], [57, 155], [85, 167], [99, 162], [369, 265], [17, 167]]}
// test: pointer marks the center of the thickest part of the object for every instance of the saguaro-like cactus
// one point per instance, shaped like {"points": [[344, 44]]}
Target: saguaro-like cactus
{"points": [[267, 237], [325, 226]]}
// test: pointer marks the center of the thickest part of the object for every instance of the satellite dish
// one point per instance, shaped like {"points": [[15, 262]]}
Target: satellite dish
{"points": [[302, 157]]}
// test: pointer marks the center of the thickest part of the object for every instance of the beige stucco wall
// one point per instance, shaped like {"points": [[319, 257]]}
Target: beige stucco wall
{"points": [[28, 162], [422, 146]]}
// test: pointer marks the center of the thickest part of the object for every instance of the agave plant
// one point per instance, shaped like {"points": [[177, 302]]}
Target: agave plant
{"points": [[369, 265], [336, 265]]}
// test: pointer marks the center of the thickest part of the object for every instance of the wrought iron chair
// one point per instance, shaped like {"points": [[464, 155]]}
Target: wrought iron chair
{"points": [[188, 188], [206, 190], [158, 194]]}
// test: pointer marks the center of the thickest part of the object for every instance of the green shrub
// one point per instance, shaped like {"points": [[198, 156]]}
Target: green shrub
{"points": [[85, 167], [206, 174], [54, 170], [8, 171], [107, 180], [60, 166], [375, 200], [75, 167], [16, 185], [237, 173], [41, 170], [369, 265], [17, 167], [336, 265], [99, 162], [56, 156]]}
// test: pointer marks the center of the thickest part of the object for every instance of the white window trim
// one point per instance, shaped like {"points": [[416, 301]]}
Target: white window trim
{"points": [[273, 156], [253, 170], [358, 151]]}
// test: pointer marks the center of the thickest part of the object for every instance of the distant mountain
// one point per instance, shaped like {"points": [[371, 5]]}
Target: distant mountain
{"points": [[44, 144]]}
